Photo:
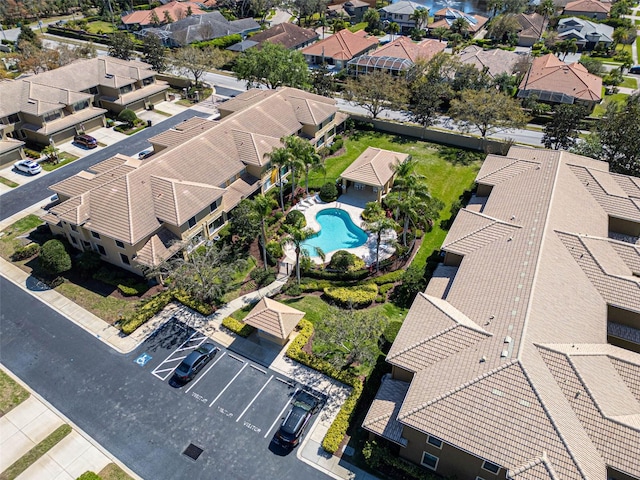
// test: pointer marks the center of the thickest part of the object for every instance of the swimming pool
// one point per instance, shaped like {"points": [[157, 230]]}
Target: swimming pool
{"points": [[337, 232]]}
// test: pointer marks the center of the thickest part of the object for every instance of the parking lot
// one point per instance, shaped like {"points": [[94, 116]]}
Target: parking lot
{"points": [[244, 395]]}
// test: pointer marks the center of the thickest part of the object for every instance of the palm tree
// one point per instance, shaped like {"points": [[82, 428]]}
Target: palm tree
{"points": [[421, 17], [440, 33], [393, 28], [546, 8], [262, 206], [296, 236], [459, 25], [494, 5], [298, 149], [376, 222], [279, 158], [621, 35]]}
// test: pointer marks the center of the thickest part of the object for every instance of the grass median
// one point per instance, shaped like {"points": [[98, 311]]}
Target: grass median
{"points": [[11, 393]]}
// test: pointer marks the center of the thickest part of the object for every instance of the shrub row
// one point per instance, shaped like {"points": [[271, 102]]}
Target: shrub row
{"points": [[22, 253], [391, 277], [376, 456], [31, 153], [237, 327], [222, 42], [324, 275], [352, 297], [89, 476], [188, 301], [338, 428]]}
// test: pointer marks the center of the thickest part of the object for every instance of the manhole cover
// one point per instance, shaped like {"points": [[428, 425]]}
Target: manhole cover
{"points": [[193, 451]]}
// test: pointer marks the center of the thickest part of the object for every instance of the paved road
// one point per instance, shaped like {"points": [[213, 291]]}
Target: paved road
{"points": [[136, 416], [37, 190]]}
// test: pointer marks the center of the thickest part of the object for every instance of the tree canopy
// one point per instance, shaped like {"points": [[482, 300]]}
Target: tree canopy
{"points": [[376, 91], [154, 52], [120, 45], [273, 66], [562, 131]]}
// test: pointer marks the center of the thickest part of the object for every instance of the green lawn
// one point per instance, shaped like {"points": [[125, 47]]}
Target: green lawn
{"points": [[601, 108], [9, 241], [8, 183], [65, 158], [629, 82], [108, 308], [101, 27], [113, 472], [357, 27], [11, 393]]}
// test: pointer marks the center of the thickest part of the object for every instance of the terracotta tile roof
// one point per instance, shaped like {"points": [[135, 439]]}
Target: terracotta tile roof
{"points": [[343, 45], [593, 6], [404, 47], [532, 25], [177, 11], [239, 190], [549, 74], [374, 166], [494, 61], [509, 349], [286, 34], [274, 317], [252, 148], [382, 416], [158, 248], [177, 201]]}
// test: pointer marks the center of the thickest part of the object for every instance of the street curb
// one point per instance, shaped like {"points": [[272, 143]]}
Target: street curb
{"points": [[88, 438]]}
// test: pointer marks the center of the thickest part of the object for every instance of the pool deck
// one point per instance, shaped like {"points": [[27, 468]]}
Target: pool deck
{"points": [[354, 207]]}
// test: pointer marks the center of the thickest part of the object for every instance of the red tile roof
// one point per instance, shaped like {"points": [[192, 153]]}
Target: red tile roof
{"points": [[343, 45]]}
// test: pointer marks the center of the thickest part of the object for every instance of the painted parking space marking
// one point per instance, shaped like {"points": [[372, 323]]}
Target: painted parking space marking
{"points": [[284, 381], [254, 398], [255, 367], [230, 382], [170, 363], [193, 384], [236, 358], [286, 405], [143, 359]]}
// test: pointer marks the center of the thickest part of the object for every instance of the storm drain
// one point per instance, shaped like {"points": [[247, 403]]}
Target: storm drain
{"points": [[193, 451]]}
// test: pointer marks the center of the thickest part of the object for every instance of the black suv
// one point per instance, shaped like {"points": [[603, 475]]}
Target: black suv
{"points": [[295, 423], [86, 140], [193, 363]]}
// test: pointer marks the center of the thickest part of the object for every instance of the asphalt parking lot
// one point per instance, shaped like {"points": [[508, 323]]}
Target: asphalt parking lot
{"points": [[249, 400]]}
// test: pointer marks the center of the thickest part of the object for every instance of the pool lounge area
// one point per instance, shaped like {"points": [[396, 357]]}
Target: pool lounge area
{"points": [[352, 206]]}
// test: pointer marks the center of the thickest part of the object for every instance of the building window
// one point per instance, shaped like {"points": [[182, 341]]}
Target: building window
{"points": [[436, 442], [80, 105], [95, 234], [126, 89], [85, 244], [73, 239], [14, 118], [101, 250], [490, 467], [216, 224], [214, 206], [73, 227], [93, 90], [429, 461], [51, 116], [147, 81], [119, 244], [192, 222], [124, 259]]}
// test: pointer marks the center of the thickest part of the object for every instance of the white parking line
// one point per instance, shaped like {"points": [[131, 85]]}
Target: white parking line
{"points": [[172, 358], [284, 381], [205, 372], [228, 384], [236, 358], [280, 414], [254, 399], [258, 368]]}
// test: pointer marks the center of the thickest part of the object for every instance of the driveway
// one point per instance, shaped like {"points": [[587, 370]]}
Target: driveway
{"points": [[136, 415]]}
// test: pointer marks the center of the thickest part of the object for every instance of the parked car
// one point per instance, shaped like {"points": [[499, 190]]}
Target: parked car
{"points": [[193, 363], [295, 423], [635, 69], [145, 153], [86, 140], [28, 166]]}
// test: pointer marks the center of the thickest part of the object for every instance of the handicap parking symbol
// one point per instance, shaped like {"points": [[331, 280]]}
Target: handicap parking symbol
{"points": [[143, 359]]}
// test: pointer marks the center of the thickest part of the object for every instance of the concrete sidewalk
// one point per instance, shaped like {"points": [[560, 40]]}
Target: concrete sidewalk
{"points": [[31, 422]]}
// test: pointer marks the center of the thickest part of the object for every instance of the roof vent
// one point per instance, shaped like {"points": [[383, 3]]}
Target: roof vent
{"points": [[505, 353], [483, 359], [108, 75], [507, 339]]}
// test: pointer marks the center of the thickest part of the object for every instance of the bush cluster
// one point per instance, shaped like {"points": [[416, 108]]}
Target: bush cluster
{"points": [[222, 42], [296, 218], [31, 153], [237, 327], [54, 258], [22, 253], [337, 144], [188, 301], [328, 192], [376, 456], [337, 276], [274, 250], [338, 428], [262, 276], [126, 285], [352, 297], [146, 311], [89, 476], [344, 261]]}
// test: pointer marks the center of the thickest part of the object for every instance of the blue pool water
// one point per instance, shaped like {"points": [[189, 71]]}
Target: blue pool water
{"points": [[337, 232]]}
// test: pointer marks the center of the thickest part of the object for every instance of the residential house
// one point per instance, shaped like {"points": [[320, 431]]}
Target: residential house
{"points": [[60, 103], [355, 9], [200, 28], [172, 11], [493, 62], [396, 57], [288, 35], [588, 8], [553, 81], [137, 213], [402, 13], [521, 358], [587, 34], [11, 149], [339, 48], [532, 26], [446, 16]]}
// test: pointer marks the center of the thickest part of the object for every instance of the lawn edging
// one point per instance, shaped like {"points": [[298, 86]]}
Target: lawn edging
{"points": [[340, 424]]}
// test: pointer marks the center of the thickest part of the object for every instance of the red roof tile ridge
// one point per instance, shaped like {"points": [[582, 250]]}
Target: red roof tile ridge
{"points": [[459, 388]]}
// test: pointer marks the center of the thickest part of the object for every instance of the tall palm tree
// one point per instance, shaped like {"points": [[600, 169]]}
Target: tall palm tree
{"points": [[376, 222], [297, 148], [459, 25], [279, 158], [393, 28], [440, 33], [262, 206], [407, 181], [296, 236], [421, 18]]}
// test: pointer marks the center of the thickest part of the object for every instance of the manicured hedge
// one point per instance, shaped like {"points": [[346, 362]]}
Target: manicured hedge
{"points": [[388, 277], [22, 253], [185, 299], [89, 476], [354, 297], [238, 327], [338, 428]]}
